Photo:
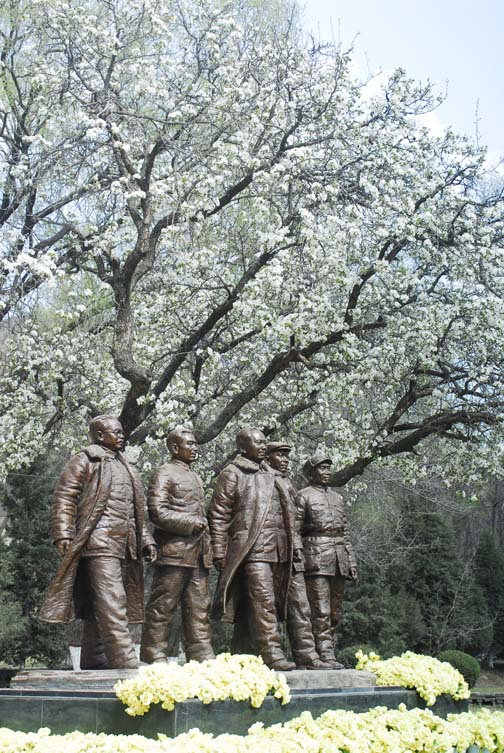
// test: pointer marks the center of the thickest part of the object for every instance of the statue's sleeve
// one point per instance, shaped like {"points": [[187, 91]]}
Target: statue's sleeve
{"points": [[161, 512], [346, 535], [220, 512], [298, 518], [66, 497], [299, 515], [301, 503], [147, 539]]}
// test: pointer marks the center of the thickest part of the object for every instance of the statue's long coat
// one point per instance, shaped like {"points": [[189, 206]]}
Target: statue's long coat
{"points": [[236, 516], [80, 499]]}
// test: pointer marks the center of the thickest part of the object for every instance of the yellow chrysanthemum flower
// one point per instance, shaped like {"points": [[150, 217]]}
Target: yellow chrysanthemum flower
{"points": [[239, 677], [380, 730], [428, 676]]}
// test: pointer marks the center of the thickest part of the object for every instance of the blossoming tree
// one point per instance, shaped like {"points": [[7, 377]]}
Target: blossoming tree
{"points": [[208, 220]]}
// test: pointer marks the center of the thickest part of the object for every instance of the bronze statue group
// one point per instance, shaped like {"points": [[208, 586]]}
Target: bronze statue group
{"points": [[281, 554]]}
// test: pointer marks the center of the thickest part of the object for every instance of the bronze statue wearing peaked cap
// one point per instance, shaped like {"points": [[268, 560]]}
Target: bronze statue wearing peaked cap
{"points": [[328, 554], [299, 628]]}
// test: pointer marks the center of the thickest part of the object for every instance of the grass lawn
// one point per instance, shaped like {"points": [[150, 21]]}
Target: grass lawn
{"points": [[490, 681]]}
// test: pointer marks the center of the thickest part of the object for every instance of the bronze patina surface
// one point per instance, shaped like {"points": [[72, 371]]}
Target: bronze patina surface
{"points": [[184, 555], [252, 528], [328, 555], [98, 529], [299, 627]]}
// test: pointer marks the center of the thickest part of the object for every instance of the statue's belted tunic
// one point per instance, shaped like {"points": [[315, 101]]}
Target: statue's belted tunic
{"points": [[328, 558]]}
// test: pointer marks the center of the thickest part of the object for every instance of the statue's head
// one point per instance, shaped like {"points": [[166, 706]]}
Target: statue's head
{"points": [[317, 469], [277, 455], [181, 443], [107, 431], [251, 443]]}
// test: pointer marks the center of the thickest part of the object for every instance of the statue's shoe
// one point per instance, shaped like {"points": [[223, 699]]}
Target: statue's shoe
{"points": [[332, 664], [282, 665], [314, 664], [133, 664]]}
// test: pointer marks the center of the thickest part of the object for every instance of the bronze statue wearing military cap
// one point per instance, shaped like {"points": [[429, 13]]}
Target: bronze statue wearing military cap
{"points": [[299, 627], [328, 554]]}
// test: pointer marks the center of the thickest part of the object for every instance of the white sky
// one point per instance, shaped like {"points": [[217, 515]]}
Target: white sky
{"points": [[458, 44]]}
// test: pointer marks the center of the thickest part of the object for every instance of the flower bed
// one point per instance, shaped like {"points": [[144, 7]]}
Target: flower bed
{"points": [[378, 731], [428, 676], [240, 677]]}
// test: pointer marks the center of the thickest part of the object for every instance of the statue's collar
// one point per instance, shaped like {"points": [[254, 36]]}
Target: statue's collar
{"points": [[97, 452], [181, 463], [244, 464]]}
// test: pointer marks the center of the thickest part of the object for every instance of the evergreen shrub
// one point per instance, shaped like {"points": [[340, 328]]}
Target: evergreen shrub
{"points": [[466, 664]]}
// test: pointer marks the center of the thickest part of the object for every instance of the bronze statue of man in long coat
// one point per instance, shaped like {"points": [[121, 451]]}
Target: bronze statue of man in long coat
{"points": [[252, 529], [98, 529]]}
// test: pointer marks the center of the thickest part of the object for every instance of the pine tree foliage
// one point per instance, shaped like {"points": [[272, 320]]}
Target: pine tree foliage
{"points": [[28, 561], [420, 593], [489, 573]]}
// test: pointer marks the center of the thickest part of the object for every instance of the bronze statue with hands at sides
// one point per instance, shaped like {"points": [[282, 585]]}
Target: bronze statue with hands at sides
{"points": [[252, 528], [98, 528], [328, 553], [299, 627], [176, 508]]}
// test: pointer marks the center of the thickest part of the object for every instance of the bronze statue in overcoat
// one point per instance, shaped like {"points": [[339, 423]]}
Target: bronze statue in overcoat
{"points": [[252, 528], [98, 528], [184, 555], [328, 554]]}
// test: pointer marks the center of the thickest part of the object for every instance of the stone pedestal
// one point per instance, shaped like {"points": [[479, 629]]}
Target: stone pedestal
{"points": [[85, 701], [104, 680]]}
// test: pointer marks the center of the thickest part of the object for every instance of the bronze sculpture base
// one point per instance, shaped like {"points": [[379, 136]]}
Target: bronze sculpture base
{"points": [[67, 680], [65, 708]]}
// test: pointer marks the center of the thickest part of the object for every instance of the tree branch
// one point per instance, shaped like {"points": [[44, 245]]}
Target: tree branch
{"points": [[439, 424]]}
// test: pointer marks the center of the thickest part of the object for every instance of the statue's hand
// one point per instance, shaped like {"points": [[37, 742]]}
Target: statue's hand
{"points": [[200, 525], [353, 573], [62, 546], [219, 563], [150, 553]]}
